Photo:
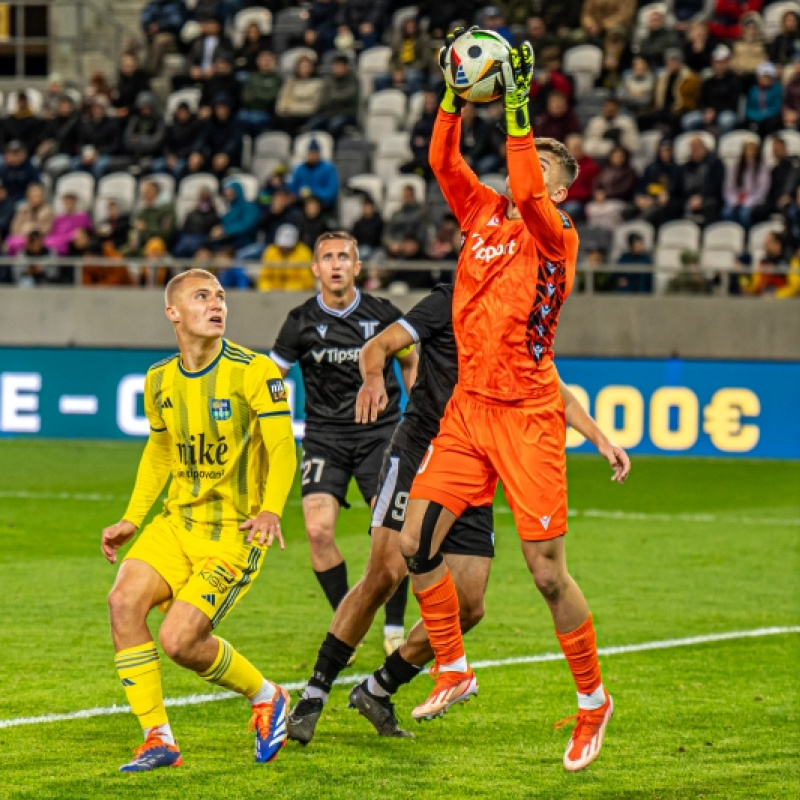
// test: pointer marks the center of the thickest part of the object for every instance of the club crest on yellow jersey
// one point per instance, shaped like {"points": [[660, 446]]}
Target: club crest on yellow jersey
{"points": [[220, 409]]}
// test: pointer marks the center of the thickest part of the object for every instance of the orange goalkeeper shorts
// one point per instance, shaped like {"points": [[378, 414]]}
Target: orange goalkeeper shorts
{"points": [[522, 444]]}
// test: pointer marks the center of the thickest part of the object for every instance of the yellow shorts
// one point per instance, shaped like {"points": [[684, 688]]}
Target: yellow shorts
{"points": [[212, 576]]}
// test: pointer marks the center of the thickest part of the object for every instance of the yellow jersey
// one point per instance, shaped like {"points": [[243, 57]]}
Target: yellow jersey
{"points": [[224, 434]]}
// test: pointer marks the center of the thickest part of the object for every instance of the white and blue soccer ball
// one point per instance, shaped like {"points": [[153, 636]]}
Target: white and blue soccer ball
{"points": [[473, 66]]}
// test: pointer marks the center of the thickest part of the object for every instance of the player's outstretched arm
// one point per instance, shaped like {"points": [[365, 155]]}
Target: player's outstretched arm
{"points": [[579, 419], [154, 469], [459, 184], [372, 398], [538, 211]]}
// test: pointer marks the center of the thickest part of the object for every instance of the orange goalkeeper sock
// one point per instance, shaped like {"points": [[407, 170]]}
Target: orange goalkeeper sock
{"points": [[580, 649], [438, 606]]}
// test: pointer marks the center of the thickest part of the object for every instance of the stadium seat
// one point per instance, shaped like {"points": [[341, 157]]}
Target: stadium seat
{"points": [[264, 167], [391, 152], [249, 183], [301, 142], [415, 106], [190, 31], [590, 104], [619, 243], [773, 17], [165, 182], [494, 180], [290, 58], [190, 95], [667, 261], [640, 31], [758, 233], [727, 236], [81, 184], [390, 102], [325, 64], [372, 62], [729, 146], [261, 16], [584, 63], [35, 100], [349, 210], [352, 157], [713, 261], [394, 188], [681, 233], [119, 186], [288, 27], [681, 144], [191, 185], [401, 15], [792, 139], [369, 184], [646, 152], [379, 126], [275, 144]]}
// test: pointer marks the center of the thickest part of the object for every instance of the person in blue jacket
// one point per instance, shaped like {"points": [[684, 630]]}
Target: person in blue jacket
{"points": [[239, 223], [762, 111], [316, 176]]}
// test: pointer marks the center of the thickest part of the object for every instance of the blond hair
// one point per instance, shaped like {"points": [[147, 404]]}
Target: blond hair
{"points": [[336, 236], [174, 286]]}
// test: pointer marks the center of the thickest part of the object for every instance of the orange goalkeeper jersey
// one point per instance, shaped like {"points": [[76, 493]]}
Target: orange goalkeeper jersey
{"points": [[513, 276]]}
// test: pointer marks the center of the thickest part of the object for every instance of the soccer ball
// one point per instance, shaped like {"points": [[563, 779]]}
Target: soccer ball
{"points": [[473, 66]]}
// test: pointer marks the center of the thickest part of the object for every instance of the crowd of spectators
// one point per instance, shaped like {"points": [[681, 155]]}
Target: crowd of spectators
{"points": [[696, 69]]}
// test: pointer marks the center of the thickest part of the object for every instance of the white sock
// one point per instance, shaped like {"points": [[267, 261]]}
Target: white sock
{"points": [[310, 692], [265, 694], [164, 731], [456, 666], [375, 689], [593, 701], [393, 630]]}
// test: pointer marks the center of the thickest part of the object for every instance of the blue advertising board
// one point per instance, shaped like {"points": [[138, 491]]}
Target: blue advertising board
{"points": [[668, 406]]}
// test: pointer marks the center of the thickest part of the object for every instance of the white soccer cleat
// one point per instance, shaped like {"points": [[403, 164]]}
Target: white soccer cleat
{"points": [[450, 688], [587, 736]]}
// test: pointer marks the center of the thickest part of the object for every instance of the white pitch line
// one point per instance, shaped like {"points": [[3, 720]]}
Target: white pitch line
{"points": [[199, 699], [589, 513]]}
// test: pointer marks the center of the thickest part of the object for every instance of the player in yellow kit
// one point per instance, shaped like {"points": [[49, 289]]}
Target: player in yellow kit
{"points": [[220, 426]]}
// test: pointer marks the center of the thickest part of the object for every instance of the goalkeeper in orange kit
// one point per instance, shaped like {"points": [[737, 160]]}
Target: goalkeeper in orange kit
{"points": [[505, 420]]}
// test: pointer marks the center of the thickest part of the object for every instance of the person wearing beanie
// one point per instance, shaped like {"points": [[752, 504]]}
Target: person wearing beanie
{"points": [[316, 176]]}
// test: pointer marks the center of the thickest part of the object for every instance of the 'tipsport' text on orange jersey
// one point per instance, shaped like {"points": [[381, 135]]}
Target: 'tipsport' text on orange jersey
{"points": [[513, 276]]}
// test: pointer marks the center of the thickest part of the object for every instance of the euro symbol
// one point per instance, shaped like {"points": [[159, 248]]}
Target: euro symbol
{"points": [[722, 420]]}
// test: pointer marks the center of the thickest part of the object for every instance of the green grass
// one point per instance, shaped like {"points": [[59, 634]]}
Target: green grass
{"points": [[710, 720]]}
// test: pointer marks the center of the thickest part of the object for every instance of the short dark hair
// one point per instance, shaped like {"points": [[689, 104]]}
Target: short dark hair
{"points": [[564, 159]]}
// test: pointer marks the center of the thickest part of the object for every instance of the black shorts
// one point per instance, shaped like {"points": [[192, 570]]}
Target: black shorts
{"points": [[329, 463], [472, 533]]}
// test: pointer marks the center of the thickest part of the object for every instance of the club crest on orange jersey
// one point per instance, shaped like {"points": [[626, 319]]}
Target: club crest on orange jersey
{"points": [[220, 409]]}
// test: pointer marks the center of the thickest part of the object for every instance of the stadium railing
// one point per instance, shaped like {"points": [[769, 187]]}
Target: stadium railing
{"points": [[50, 264]]}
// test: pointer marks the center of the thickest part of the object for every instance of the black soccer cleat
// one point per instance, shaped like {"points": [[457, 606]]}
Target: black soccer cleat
{"points": [[303, 718], [379, 711]]}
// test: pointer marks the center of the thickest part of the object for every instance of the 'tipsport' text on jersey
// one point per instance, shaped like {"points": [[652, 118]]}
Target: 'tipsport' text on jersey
{"points": [[326, 343]]}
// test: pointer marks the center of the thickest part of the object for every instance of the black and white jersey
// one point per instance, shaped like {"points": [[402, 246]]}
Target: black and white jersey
{"points": [[326, 342], [430, 322]]}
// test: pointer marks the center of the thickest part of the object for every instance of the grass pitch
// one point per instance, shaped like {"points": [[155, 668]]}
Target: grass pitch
{"points": [[685, 548]]}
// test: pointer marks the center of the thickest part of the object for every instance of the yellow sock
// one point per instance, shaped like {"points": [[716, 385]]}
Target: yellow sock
{"points": [[233, 671], [139, 669]]}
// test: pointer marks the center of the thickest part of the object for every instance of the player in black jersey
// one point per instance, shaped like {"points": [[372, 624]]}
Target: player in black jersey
{"points": [[325, 335], [468, 547]]}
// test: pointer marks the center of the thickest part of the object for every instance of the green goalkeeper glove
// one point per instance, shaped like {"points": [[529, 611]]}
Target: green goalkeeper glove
{"points": [[517, 77], [450, 102]]}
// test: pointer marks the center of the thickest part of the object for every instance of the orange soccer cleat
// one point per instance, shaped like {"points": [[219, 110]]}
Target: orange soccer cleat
{"points": [[450, 688], [587, 735]]}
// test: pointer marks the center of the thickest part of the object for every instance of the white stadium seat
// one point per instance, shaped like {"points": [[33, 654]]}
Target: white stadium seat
{"points": [[724, 236], [370, 184], [682, 233], [191, 186], [79, 183], [681, 144]]}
